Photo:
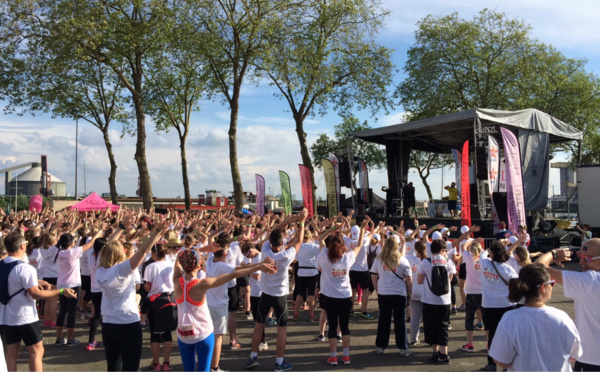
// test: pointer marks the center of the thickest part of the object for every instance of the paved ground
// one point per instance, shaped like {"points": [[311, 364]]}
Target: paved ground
{"points": [[303, 351]]}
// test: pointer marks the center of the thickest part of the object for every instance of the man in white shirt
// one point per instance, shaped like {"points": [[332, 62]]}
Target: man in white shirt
{"points": [[18, 315], [584, 288], [275, 289]]}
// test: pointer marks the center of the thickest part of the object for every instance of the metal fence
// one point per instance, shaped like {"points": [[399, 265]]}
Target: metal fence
{"points": [[538, 244]]}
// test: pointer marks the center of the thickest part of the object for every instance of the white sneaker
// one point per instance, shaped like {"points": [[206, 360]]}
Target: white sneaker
{"points": [[263, 346], [380, 351], [405, 352]]}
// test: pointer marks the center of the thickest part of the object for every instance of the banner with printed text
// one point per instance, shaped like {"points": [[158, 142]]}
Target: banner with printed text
{"points": [[260, 195], [493, 164], [329, 173], [307, 190], [363, 180], [515, 198], [457, 171], [286, 193], [465, 194], [336, 166]]}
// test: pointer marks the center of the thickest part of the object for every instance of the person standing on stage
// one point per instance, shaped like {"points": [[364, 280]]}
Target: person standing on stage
{"points": [[452, 198]]}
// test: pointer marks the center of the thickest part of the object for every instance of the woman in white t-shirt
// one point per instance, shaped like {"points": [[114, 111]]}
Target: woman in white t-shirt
{"points": [[69, 276], [495, 274], [34, 254], [49, 272], [392, 278], [471, 251], [336, 292], [121, 327], [416, 306], [162, 308], [307, 276], [521, 342]]}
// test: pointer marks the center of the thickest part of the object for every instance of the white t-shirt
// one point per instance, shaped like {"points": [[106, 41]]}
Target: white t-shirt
{"points": [[35, 260], [93, 264], [425, 268], [118, 294], [69, 275], [335, 279], [277, 284], [21, 308], [307, 257], [160, 275], [49, 267], [522, 339], [495, 291], [417, 289], [83, 260], [255, 284], [584, 289], [361, 264], [473, 282], [388, 283], [217, 297], [234, 258], [409, 250]]}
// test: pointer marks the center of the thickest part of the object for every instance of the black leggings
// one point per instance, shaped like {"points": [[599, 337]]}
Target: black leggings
{"points": [[122, 346], [95, 321], [338, 311], [391, 305], [68, 309], [491, 319]]}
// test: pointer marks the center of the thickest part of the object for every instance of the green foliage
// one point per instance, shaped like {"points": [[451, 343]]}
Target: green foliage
{"points": [[372, 154], [493, 62]]}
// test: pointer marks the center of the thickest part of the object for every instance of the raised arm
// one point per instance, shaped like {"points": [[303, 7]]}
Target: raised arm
{"points": [[155, 235]]}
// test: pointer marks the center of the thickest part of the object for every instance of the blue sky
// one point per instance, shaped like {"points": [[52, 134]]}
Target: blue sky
{"points": [[267, 141]]}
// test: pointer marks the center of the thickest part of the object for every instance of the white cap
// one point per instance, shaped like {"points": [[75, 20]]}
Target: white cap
{"points": [[377, 236], [408, 232], [464, 229], [436, 235], [354, 232], [512, 240], [444, 230], [421, 233], [396, 238]]}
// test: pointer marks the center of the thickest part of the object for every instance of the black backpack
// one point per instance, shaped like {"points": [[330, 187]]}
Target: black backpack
{"points": [[439, 279], [5, 269], [371, 255]]}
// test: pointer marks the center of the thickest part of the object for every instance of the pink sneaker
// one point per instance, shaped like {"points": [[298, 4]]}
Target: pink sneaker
{"points": [[332, 361], [346, 359]]}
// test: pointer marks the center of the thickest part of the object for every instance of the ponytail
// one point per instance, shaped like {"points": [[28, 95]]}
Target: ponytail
{"points": [[527, 285]]}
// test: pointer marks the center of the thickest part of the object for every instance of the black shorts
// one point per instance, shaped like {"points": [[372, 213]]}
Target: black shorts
{"points": [[86, 285], [243, 281], [462, 271], [232, 306], [254, 306], [452, 205], [279, 305], [360, 277], [306, 284], [30, 334], [51, 280]]}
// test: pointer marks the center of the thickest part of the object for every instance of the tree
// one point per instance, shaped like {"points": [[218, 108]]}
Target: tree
{"points": [[424, 162], [235, 32], [493, 62], [326, 57]]}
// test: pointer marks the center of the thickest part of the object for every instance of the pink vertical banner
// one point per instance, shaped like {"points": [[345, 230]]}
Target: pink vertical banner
{"points": [[465, 192], [515, 199], [260, 195], [307, 190], [493, 163]]}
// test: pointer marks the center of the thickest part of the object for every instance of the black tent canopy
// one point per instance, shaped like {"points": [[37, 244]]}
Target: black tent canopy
{"points": [[534, 129]]}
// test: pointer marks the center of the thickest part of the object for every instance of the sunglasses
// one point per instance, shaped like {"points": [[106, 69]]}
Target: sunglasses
{"points": [[550, 283], [587, 259]]}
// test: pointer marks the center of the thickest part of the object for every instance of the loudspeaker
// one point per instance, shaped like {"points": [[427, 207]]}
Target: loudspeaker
{"points": [[345, 176], [342, 205], [481, 166], [501, 205]]}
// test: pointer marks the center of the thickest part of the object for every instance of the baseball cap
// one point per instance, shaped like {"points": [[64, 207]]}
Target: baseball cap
{"points": [[377, 236], [436, 235], [444, 230], [408, 232], [354, 232], [464, 229]]}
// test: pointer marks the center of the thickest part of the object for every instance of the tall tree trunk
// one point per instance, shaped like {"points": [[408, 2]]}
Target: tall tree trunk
{"points": [[238, 190], [184, 172], [140, 146], [306, 156], [427, 188], [112, 178]]}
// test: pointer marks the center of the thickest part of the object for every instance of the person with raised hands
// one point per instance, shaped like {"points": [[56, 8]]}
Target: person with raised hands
{"points": [[275, 289], [121, 327], [194, 326]]}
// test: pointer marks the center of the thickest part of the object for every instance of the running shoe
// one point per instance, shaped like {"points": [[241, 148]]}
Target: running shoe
{"points": [[46, 324], [270, 321], [346, 359], [434, 358], [478, 327], [312, 318], [359, 302], [154, 367], [235, 345], [218, 369], [352, 314], [339, 339], [321, 338], [296, 316], [72, 342], [454, 311], [462, 308], [166, 366], [380, 351], [468, 348], [443, 359], [449, 326], [405, 352], [252, 362], [489, 367], [284, 366], [60, 341], [367, 316], [92, 346], [249, 316], [263, 346], [332, 361], [414, 343]]}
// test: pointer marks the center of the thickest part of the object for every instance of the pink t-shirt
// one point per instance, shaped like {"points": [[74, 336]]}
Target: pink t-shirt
{"points": [[69, 275]]}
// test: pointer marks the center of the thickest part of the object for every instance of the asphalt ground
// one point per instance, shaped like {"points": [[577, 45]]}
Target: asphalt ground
{"points": [[303, 350]]}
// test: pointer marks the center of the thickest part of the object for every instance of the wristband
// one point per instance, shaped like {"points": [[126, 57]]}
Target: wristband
{"points": [[235, 239], [332, 228], [61, 291], [553, 254], [301, 224]]}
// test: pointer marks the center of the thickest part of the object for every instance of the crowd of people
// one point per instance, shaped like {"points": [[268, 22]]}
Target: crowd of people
{"points": [[189, 273]]}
